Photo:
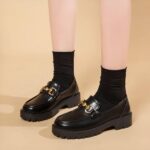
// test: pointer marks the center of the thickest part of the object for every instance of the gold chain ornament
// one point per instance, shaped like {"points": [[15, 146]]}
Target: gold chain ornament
{"points": [[84, 104], [51, 91], [94, 106]]}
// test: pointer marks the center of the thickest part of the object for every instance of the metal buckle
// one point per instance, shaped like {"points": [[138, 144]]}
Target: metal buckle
{"points": [[84, 104], [94, 106], [51, 91]]}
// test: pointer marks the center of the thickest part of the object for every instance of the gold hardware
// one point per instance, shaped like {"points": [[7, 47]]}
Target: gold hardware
{"points": [[94, 106], [84, 104], [46, 88], [50, 90]]}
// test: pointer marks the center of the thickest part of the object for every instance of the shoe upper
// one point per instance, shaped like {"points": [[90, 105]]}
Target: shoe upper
{"points": [[49, 96], [91, 112]]}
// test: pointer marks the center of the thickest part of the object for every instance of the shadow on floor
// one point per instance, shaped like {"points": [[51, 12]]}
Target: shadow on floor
{"points": [[10, 113], [10, 109]]}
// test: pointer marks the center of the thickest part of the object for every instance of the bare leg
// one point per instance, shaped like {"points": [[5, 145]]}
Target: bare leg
{"points": [[62, 20], [115, 33]]}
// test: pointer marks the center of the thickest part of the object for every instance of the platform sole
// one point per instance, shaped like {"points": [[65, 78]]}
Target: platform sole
{"points": [[118, 123], [65, 103]]}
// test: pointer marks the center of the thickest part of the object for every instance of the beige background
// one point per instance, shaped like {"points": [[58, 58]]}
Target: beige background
{"points": [[26, 65]]}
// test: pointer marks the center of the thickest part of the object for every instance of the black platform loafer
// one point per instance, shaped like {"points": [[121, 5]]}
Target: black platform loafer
{"points": [[47, 103], [89, 119]]}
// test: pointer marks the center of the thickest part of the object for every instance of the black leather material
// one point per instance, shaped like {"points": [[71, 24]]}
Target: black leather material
{"points": [[44, 101], [79, 118]]}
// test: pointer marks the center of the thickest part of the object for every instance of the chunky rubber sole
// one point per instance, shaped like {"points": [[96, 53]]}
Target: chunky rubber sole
{"points": [[65, 103], [118, 123]]}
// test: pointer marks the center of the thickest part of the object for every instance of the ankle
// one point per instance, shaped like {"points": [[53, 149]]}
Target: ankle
{"points": [[64, 81]]}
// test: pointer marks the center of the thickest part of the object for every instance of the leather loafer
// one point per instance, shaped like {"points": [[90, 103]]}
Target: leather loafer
{"points": [[49, 101], [90, 119]]}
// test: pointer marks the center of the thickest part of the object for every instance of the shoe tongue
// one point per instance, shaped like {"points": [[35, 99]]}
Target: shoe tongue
{"points": [[53, 84]]}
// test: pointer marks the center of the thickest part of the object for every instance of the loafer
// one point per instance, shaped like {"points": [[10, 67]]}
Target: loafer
{"points": [[90, 119], [49, 101]]}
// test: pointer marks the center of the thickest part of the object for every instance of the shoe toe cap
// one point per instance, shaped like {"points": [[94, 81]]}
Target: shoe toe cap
{"points": [[62, 121], [70, 119]]}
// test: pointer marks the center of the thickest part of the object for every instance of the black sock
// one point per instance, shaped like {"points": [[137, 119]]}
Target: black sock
{"points": [[63, 68], [112, 85]]}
